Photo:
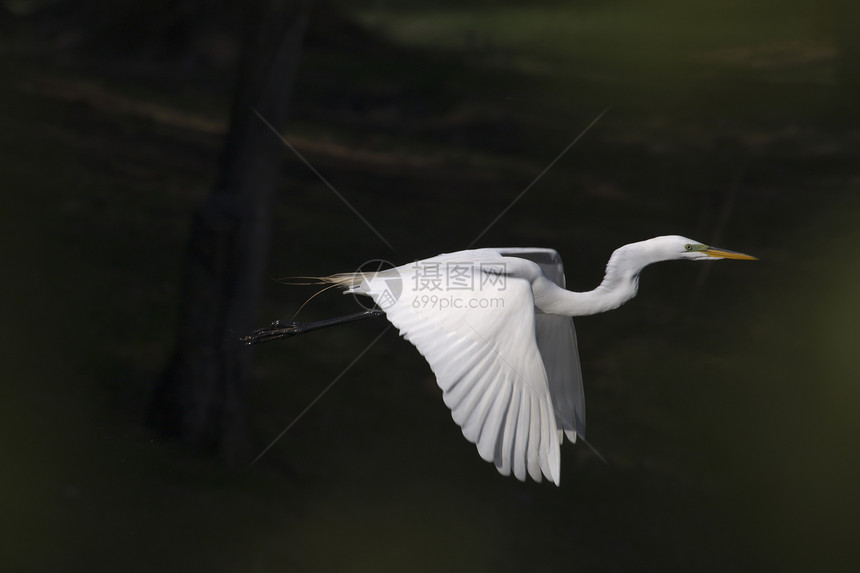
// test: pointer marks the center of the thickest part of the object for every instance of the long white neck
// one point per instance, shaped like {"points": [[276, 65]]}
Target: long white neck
{"points": [[619, 285]]}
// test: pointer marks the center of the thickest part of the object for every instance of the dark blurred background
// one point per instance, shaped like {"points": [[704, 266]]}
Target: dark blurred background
{"points": [[725, 396]]}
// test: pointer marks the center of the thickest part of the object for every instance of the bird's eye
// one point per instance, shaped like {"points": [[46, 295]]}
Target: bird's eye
{"points": [[688, 247]]}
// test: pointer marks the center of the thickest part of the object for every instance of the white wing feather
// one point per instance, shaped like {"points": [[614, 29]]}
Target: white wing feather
{"points": [[556, 340], [486, 361]]}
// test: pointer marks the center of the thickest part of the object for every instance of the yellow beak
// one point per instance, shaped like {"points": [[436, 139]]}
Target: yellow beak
{"points": [[722, 253]]}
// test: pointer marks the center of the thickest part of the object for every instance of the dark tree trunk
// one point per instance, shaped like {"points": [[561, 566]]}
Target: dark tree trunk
{"points": [[201, 399]]}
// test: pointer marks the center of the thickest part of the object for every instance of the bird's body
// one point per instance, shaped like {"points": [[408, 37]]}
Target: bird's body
{"points": [[495, 327]]}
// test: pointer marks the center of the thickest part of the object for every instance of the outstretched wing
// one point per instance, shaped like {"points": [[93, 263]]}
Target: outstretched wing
{"points": [[556, 340], [477, 334]]}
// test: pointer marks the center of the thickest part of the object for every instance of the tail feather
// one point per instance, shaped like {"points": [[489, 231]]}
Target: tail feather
{"points": [[346, 280], [356, 282], [349, 281]]}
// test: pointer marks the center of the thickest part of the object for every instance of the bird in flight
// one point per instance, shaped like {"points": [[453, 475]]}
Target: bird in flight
{"points": [[495, 326]]}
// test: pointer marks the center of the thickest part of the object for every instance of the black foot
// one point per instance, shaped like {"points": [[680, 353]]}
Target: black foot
{"points": [[287, 328], [276, 330]]}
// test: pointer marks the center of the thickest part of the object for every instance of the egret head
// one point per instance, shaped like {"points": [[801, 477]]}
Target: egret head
{"points": [[678, 247]]}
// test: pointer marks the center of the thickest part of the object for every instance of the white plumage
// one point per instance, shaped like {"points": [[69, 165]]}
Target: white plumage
{"points": [[495, 327]]}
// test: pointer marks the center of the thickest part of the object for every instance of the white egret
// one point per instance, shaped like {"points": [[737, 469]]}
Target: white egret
{"points": [[495, 326]]}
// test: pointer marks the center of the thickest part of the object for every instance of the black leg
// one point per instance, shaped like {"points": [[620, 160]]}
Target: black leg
{"points": [[286, 328]]}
